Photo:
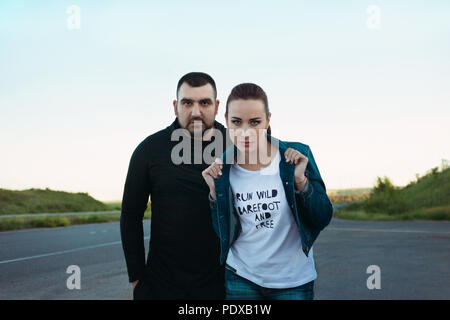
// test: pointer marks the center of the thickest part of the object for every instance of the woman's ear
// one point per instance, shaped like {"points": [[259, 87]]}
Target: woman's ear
{"points": [[268, 120], [226, 119]]}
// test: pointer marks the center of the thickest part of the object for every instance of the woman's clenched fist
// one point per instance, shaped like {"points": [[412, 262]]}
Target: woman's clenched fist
{"points": [[211, 173]]}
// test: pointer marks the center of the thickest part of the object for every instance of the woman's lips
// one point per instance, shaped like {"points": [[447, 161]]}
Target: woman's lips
{"points": [[245, 143]]}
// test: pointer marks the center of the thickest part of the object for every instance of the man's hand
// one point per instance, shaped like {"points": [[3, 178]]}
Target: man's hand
{"points": [[211, 173], [134, 284], [300, 161]]}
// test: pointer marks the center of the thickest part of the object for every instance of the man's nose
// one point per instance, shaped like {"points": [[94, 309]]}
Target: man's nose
{"points": [[196, 110]]}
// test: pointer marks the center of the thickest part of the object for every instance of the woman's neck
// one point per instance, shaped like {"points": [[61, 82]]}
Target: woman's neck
{"points": [[259, 159]]}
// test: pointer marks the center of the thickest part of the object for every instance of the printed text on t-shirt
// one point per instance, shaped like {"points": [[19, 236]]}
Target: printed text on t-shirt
{"points": [[263, 211]]}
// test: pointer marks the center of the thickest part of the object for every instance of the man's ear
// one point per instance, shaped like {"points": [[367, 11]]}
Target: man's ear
{"points": [[175, 109], [217, 106]]}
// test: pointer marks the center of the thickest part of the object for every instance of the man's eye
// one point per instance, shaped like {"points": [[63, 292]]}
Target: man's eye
{"points": [[205, 103], [187, 103]]}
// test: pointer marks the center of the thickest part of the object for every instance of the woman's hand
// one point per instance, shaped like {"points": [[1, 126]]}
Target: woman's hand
{"points": [[300, 161], [211, 173]]}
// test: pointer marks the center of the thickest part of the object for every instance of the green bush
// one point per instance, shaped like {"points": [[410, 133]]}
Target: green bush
{"points": [[426, 198]]}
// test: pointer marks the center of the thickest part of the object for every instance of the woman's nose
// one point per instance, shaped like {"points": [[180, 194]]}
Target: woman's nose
{"points": [[248, 132], [243, 131]]}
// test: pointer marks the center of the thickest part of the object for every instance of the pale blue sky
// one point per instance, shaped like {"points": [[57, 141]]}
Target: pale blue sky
{"points": [[75, 103]]}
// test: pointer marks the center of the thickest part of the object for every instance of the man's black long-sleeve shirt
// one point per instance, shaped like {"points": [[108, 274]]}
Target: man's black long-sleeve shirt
{"points": [[184, 249]]}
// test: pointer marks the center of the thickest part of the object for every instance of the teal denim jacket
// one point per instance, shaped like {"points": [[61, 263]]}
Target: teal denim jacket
{"points": [[311, 207]]}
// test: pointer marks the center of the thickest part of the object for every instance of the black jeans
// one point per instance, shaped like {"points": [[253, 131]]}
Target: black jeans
{"points": [[154, 288]]}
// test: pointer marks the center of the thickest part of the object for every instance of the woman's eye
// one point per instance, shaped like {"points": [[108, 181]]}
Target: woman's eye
{"points": [[254, 123], [236, 122]]}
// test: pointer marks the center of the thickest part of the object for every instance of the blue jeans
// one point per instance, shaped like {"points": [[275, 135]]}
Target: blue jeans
{"points": [[239, 288]]}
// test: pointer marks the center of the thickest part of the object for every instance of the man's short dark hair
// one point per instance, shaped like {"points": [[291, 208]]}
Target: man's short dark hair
{"points": [[197, 79]]}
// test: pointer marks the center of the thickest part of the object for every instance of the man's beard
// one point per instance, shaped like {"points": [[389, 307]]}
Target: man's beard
{"points": [[196, 131]]}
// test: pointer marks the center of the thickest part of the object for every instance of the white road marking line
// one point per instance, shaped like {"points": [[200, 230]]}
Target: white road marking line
{"points": [[384, 230], [65, 251]]}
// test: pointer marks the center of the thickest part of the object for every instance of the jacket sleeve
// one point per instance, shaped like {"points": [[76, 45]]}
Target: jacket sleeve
{"points": [[313, 204], [134, 203], [213, 206]]}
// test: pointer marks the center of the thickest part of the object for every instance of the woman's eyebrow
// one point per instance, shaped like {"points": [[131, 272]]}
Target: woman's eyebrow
{"points": [[252, 119]]}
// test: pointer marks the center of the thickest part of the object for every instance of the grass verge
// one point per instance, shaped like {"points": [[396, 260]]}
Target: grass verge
{"points": [[16, 223], [435, 213], [49, 201]]}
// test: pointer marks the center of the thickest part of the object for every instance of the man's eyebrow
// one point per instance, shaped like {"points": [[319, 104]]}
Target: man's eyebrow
{"points": [[192, 100]]}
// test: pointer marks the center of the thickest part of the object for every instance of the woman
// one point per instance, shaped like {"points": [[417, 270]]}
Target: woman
{"points": [[268, 205]]}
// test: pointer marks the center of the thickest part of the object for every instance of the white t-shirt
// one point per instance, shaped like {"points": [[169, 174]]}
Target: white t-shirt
{"points": [[268, 250]]}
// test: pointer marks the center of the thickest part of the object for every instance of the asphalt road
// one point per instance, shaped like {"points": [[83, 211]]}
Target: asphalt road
{"points": [[413, 258]]}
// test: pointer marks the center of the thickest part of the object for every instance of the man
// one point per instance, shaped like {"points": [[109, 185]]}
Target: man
{"points": [[183, 259]]}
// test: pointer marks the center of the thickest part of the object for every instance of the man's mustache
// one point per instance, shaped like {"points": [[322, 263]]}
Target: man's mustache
{"points": [[196, 119]]}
